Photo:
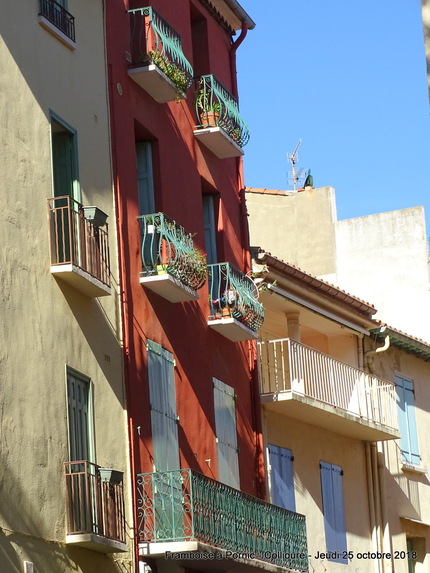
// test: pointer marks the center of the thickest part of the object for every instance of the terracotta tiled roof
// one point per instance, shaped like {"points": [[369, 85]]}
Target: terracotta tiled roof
{"points": [[401, 339], [316, 283], [264, 191]]}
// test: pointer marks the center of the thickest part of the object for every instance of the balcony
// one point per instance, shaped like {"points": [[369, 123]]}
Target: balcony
{"points": [[171, 265], [79, 246], [158, 63], [308, 385], [60, 23], [184, 512], [95, 507], [233, 299], [221, 128]]}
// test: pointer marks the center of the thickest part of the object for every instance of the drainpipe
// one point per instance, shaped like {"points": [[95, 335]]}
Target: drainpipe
{"points": [[371, 493], [377, 497], [369, 354], [386, 540], [233, 50]]}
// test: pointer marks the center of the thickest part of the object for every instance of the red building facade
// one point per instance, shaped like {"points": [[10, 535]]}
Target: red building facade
{"points": [[190, 308]]}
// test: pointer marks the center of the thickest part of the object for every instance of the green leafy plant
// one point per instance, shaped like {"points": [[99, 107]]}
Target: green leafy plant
{"points": [[177, 76]]}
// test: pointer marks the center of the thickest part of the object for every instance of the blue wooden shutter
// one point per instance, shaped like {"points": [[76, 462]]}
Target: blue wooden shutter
{"points": [[164, 422], [333, 509], [281, 477], [145, 180], [407, 422], [226, 434]]}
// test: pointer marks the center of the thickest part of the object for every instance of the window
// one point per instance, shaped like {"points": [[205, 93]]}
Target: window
{"points": [[210, 229], [162, 397], [407, 423], [64, 159], [333, 509], [226, 435], [281, 477], [80, 417], [54, 17], [145, 180]]}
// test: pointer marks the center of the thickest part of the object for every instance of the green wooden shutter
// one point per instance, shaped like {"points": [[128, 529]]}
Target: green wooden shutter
{"points": [[79, 417], [164, 421], [226, 434]]}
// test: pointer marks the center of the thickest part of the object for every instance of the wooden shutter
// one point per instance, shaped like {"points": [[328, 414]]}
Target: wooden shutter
{"points": [[210, 229], [226, 434], [407, 421], [145, 180], [164, 422], [333, 509], [79, 417], [281, 477]]}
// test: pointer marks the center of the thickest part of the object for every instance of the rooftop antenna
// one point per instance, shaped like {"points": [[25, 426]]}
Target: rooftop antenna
{"points": [[294, 176]]}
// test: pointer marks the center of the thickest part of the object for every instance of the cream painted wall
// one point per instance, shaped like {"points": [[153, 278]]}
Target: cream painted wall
{"points": [[296, 227], [310, 445], [45, 324], [408, 492], [381, 258]]}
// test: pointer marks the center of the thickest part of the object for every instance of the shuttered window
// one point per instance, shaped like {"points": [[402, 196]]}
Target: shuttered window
{"points": [[164, 421], [333, 509], [281, 477], [407, 422], [210, 229], [145, 180], [226, 434], [80, 417]]}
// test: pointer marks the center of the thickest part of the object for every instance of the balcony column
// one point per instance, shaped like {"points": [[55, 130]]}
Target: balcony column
{"points": [[293, 326]]}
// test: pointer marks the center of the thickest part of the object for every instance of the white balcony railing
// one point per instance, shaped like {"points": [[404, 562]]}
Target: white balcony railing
{"points": [[289, 366]]}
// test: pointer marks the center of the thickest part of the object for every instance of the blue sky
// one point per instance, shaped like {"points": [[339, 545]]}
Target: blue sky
{"points": [[349, 79]]}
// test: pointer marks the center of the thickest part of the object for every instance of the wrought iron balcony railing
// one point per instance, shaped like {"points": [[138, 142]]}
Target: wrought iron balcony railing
{"points": [[234, 294], [183, 505], [94, 504], [77, 240], [154, 41], [216, 107], [287, 365], [59, 17], [169, 248]]}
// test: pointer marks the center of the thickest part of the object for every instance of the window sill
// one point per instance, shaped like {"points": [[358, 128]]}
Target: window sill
{"points": [[413, 468], [57, 33]]}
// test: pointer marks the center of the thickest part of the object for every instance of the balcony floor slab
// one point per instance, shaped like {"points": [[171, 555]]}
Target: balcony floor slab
{"points": [[155, 83], [217, 141], [232, 329], [211, 558], [169, 288], [80, 280], [96, 543], [317, 413]]}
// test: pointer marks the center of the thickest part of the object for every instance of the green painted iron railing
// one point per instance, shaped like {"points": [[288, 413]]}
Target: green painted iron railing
{"points": [[169, 248], [234, 294], [154, 41], [185, 505], [216, 107]]}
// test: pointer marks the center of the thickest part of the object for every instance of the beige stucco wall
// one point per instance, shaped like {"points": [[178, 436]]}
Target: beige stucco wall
{"points": [[310, 445], [382, 258], [407, 492], [296, 227], [44, 323]]}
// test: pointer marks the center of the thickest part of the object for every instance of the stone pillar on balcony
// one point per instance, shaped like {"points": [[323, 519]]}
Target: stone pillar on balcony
{"points": [[293, 325]]}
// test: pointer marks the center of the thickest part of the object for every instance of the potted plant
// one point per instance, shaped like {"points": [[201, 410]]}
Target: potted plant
{"points": [[210, 111], [177, 76]]}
